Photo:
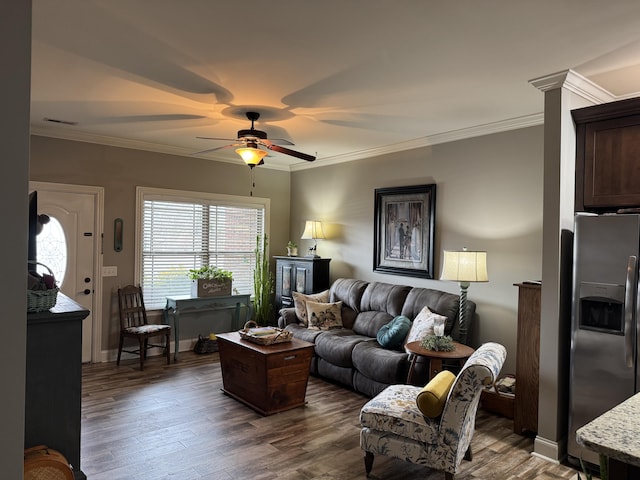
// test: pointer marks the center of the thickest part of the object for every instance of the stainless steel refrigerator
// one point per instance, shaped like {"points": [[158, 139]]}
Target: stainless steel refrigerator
{"points": [[604, 319]]}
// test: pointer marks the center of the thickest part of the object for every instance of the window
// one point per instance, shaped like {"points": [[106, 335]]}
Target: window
{"points": [[179, 231], [51, 245]]}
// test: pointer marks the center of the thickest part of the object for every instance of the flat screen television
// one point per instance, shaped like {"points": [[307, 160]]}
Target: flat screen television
{"points": [[32, 254]]}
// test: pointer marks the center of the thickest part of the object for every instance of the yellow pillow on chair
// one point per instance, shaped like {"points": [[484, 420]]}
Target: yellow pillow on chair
{"points": [[433, 396]]}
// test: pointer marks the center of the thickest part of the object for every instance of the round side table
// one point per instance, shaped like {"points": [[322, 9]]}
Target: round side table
{"points": [[461, 353]]}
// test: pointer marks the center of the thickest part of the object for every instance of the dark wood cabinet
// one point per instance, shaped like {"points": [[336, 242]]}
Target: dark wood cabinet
{"points": [[299, 274], [53, 397], [608, 156], [525, 414]]}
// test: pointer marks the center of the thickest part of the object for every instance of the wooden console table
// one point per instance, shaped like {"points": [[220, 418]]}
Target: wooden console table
{"points": [[267, 378], [184, 304]]}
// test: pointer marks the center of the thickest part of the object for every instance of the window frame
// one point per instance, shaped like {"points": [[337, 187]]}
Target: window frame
{"points": [[169, 195]]}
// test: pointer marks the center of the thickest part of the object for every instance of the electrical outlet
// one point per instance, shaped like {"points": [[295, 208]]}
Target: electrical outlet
{"points": [[110, 271]]}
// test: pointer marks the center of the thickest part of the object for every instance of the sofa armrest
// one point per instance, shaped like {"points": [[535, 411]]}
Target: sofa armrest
{"points": [[287, 317]]}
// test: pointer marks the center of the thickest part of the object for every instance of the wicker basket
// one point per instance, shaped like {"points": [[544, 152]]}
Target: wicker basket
{"points": [[496, 401], [279, 335], [42, 300], [42, 463], [205, 345]]}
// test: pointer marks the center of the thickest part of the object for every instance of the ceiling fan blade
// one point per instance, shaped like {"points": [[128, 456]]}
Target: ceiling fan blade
{"points": [[147, 118], [216, 138], [280, 141], [287, 151], [216, 148]]}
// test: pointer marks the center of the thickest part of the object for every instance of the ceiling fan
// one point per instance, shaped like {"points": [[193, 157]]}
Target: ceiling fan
{"points": [[248, 141]]}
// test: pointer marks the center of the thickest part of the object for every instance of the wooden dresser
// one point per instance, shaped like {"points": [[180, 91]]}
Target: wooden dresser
{"points": [[525, 415]]}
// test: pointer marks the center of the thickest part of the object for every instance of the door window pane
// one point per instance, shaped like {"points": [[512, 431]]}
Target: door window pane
{"points": [[52, 249]]}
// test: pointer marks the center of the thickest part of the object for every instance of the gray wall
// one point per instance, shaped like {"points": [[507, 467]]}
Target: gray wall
{"points": [[120, 170], [489, 197]]}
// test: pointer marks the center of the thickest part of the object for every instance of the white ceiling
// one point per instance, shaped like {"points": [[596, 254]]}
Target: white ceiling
{"points": [[341, 79]]}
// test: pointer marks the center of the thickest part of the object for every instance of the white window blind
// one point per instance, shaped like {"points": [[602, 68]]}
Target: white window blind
{"points": [[178, 235]]}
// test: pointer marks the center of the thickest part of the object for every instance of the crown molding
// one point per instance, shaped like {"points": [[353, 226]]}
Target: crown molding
{"points": [[421, 142], [85, 137], [575, 83], [430, 140]]}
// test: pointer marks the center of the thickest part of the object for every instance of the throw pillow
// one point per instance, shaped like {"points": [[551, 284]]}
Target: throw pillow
{"points": [[300, 303], [393, 333], [433, 396], [422, 325], [324, 316]]}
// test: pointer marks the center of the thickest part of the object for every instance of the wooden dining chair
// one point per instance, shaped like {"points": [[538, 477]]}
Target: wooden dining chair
{"points": [[133, 324]]}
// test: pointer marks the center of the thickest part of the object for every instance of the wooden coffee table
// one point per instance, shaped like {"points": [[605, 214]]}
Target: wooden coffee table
{"points": [[461, 353], [267, 378]]}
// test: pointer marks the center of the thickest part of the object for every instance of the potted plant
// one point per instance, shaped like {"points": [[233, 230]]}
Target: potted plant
{"points": [[292, 249], [210, 281], [263, 287]]}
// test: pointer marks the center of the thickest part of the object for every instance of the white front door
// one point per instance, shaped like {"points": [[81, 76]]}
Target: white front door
{"points": [[68, 246]]}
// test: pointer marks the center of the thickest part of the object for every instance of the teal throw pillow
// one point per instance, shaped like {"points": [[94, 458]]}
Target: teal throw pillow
{"points": [[392, 334]]}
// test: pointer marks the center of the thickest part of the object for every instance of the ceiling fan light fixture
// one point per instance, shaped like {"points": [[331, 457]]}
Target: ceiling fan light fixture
{"points": [[251, 154]]}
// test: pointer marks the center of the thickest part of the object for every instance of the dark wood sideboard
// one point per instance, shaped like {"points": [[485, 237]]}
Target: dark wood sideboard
{"points": [[53, 396], [299, 274]]}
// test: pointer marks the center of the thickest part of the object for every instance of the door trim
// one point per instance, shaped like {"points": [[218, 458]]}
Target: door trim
{"points": [[96, 312]]}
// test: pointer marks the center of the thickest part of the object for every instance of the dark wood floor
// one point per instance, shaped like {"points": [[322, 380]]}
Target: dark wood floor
{"points": [[173, 422]]}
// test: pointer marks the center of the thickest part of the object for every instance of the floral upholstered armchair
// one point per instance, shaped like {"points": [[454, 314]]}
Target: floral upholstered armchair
{"points": [[393, 423]]}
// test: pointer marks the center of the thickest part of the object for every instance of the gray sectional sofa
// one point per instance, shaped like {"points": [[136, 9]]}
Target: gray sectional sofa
{"points": [[351, 355]]}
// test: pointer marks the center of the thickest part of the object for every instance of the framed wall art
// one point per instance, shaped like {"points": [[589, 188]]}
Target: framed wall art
{"points": [[404, 221]]}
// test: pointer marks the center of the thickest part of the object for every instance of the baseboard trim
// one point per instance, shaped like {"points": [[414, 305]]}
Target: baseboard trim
{"points": [[185, 345], [547, 450]]}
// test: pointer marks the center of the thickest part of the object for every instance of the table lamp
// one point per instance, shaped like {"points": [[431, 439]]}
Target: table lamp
{"points": [[313, 230], [464, 267]]}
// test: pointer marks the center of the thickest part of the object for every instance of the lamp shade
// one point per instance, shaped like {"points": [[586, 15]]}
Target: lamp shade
{"points": [[251, 155], [465, 266], [312, 230]]}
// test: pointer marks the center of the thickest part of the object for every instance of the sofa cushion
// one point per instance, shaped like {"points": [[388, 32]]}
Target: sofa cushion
{"points": [[370, 323], [336, 346], [349, 291], [392, 334], [384, 297], [433, 396], [442, 303], [303, 333], [300, 303], [324, 316], [386, 366]]}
